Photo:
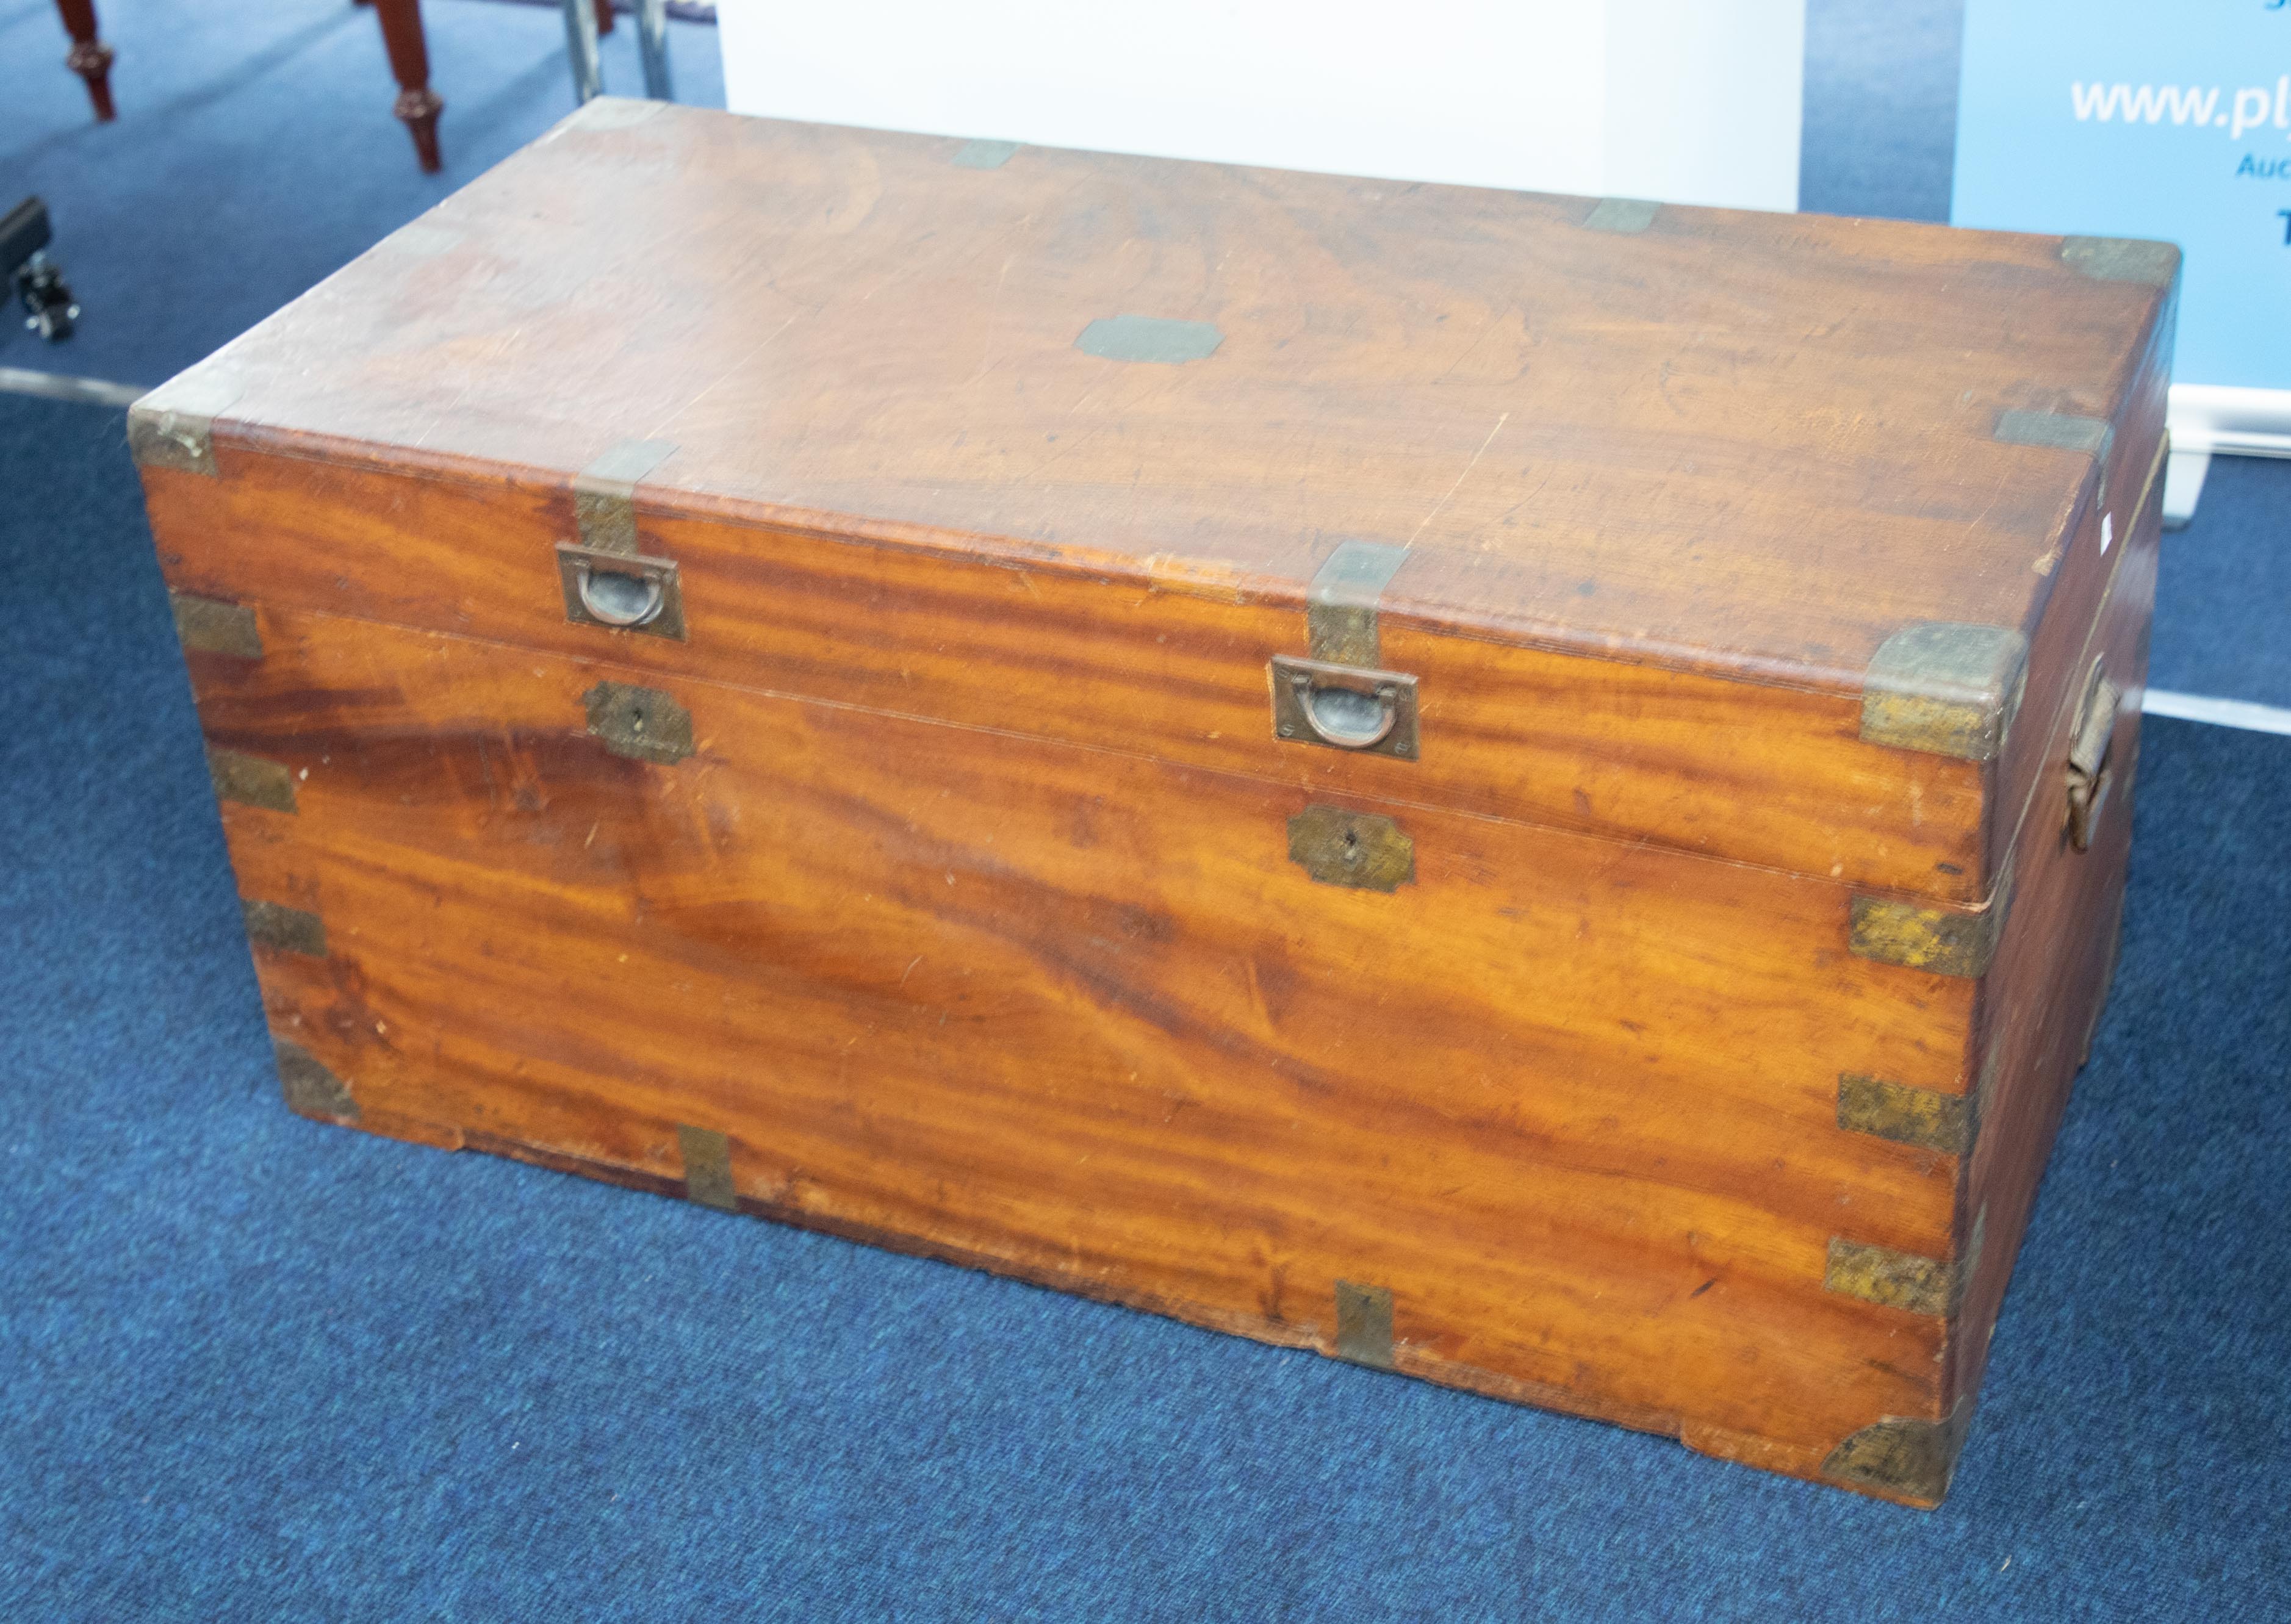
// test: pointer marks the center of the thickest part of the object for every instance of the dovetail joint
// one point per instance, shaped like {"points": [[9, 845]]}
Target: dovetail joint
{"points": [[1940, 941], [274, 925], [208, 625], [251, 781], [1925, 1118]]}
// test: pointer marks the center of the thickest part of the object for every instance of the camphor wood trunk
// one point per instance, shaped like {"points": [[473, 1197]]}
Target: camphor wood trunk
{"points": [[1528, 790]]}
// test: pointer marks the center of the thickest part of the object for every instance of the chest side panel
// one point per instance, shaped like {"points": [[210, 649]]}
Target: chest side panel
{"points": [[1094, 1020], [2057, 951]]}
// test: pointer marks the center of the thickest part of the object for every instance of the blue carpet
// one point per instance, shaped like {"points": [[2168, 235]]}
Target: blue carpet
{"points": [[2223, 591], [255, 153], [259, 1368]]}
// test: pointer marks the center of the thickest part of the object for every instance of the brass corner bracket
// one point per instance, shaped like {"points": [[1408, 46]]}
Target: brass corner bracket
{"points": [[1946, 687], [1904, 1457]]}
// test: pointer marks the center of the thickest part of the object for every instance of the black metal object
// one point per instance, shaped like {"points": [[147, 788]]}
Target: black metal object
{"points": [[49, 307]]}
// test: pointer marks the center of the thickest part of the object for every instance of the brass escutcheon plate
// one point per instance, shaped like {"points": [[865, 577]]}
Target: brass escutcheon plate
{"points": [[1365, 850]]}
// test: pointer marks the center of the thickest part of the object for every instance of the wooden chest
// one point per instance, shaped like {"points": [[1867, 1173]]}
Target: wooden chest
{"points": [[1526, 790]]}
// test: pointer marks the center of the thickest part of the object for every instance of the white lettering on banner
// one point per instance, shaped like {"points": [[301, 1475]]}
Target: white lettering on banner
{"points": [[2252, 106], [2183, 136]]}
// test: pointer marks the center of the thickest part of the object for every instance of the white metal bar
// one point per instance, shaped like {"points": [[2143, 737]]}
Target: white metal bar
{"points": [[581, 45], [652, 41], [2219, 713], [2183, 484], [58, 386], [2252, 423]]}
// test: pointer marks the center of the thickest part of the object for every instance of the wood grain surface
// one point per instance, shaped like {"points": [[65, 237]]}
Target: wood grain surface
{"points": [[2039, 1005], [961, 898], [1078, 1015], [1773, 775], [1750, 446]]}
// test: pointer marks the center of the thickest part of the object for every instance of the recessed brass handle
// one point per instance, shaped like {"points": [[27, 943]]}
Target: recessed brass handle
{"points": [[618, 600], [1348, 718], [1346, 707], [625, 591], [2088, 775]]}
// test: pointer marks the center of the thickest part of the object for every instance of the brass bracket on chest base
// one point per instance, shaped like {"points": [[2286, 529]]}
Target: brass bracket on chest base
{"points": [[1906, 1456], [1364, 1325], [310, 1088], [707, 1156]]}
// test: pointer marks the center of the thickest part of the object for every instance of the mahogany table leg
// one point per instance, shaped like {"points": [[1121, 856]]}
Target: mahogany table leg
{"points": [[409, 63], [90, 57]]}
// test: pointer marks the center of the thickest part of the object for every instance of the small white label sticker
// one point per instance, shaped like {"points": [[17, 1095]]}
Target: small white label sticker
{"points": [[2106, 531]]}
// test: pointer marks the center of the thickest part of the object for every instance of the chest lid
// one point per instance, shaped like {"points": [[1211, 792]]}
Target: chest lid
{"points": [[1771, 537]]}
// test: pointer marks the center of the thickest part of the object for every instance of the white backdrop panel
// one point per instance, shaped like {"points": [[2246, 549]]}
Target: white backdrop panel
{"points": [[1685, 100]]}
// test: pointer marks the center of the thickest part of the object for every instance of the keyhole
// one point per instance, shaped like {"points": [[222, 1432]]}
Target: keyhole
{"points": [[1352, 847]]}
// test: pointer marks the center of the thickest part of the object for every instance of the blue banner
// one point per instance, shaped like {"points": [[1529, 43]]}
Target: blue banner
{"points": [[2130, 118]]}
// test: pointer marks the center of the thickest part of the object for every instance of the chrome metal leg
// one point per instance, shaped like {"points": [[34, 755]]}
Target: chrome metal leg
{"points": [[581, 45], [652, 39]]}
